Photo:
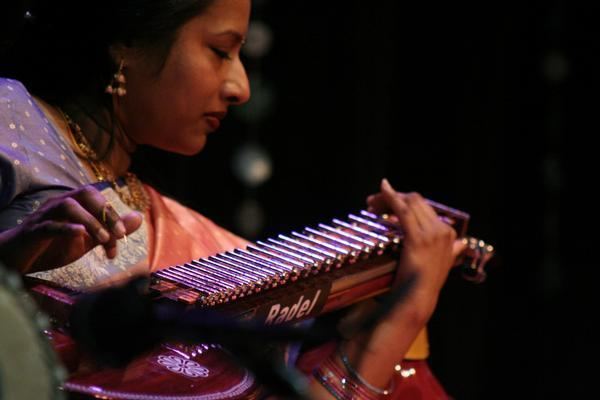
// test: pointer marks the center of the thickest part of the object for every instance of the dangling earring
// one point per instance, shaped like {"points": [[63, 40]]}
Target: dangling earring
{"points": [[117, 83]]}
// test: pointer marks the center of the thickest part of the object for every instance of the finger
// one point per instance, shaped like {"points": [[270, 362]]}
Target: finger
{"points": [[414, 202], [92, 200], [380, 207], [44, 233], [378, 204], [458, 247], [405, 215], [112, 219], [110, 248], [391, 218], [426, 215], [70, 210], [425, 209], [51, 229], [132, 221], [41, 237]]}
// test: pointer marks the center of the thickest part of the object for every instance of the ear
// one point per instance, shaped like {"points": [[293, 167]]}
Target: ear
{"points": [[119, 52]]}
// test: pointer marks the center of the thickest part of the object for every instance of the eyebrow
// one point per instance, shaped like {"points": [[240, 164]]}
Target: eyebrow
{"points": [[238, 37]]}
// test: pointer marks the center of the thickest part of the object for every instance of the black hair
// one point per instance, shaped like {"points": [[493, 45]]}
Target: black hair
{"points": [[60, 48]]}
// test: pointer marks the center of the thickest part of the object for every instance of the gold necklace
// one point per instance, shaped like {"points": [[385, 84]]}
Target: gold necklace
{"points": [[134, 194]]}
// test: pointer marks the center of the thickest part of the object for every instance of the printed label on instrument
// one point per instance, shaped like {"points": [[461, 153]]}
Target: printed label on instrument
{"points": [[294, 308]]}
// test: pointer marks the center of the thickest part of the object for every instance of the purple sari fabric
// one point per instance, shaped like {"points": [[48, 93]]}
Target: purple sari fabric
{"points": [[36, 162]]}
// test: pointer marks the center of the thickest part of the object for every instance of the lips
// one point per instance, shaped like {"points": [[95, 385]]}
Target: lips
{"points": [[214, 119]]}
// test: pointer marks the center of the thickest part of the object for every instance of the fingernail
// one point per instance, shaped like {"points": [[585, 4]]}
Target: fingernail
{"points": [[103, 236], [111, 253], [120, 229], [370, 198], [385, 184]]}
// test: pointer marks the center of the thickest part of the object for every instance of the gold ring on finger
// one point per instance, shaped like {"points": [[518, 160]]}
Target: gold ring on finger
{"points": [[106, 208]]}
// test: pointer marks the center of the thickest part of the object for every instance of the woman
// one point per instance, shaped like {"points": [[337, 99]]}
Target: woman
{"points": [[175, 71]]}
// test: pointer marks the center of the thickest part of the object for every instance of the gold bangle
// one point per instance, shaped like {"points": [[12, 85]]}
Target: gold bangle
{"points": [[354, 374]]}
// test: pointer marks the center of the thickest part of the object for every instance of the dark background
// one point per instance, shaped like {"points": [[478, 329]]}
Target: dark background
{"points": [[489, 107]]}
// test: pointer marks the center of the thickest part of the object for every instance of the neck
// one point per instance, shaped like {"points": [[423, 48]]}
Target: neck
{"points": [[105, 135]]}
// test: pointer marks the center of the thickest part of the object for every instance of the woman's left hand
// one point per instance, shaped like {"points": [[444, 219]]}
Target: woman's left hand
{"points": [[429, 249], [430, 246]]}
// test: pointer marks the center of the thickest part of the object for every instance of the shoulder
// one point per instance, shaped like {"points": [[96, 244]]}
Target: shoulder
{"points": [[12, 89], [21, 121], [13, 97], [17, 107], [32, 155]]}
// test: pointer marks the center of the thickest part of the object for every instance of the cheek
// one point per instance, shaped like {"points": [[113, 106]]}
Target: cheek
{"points": [[198, 84], [142, 117], [168, 112], [189, 84]]}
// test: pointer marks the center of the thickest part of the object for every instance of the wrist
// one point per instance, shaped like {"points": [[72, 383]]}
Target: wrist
{"points": [[337, 376]]}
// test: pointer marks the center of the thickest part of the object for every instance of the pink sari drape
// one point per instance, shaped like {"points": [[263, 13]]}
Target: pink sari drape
{"points": [[178, 234]]}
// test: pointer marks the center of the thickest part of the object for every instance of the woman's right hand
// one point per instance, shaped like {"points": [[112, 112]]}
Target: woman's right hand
{"points": [[65, 228]]}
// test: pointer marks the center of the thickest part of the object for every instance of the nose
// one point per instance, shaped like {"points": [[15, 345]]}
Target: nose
{"points": [[236, 89]]}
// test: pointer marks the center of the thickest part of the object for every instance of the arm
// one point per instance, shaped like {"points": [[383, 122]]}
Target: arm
{"points": [[429, 250]]}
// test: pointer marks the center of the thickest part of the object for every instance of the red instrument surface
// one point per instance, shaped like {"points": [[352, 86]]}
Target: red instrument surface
{"points": [[168, 372], [202, 372], [341, 265]]}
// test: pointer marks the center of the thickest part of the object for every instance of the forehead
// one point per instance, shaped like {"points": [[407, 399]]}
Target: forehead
{"points": [[223, 17]]}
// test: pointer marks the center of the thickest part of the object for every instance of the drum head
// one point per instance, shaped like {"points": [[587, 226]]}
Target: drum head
{"points": [[29, 368]]}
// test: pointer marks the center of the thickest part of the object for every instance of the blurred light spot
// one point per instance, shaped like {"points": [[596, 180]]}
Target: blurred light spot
{"points": [[259, 40], [252, 165], [555, 66], [250, 218]]}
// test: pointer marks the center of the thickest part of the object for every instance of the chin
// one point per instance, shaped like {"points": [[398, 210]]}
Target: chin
{"points": [[187, 143], [189, 148]]}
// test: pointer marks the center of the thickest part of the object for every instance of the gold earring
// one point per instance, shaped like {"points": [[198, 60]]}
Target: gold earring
{"points": [[117, 83]]}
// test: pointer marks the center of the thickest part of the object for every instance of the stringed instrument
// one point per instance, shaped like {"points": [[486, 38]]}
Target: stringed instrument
{"points": [[279, 280]]}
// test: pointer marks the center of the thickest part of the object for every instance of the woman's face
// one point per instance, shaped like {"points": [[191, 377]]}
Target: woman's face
{"points": [[202, 77]]}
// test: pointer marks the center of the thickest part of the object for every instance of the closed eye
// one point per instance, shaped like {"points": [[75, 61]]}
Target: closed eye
{"points": [[221, 54]]}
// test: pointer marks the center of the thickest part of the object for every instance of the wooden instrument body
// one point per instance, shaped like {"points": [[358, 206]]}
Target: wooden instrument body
{"points": [[170, 371], [173, 371], [147, 378], [166, 372]]}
